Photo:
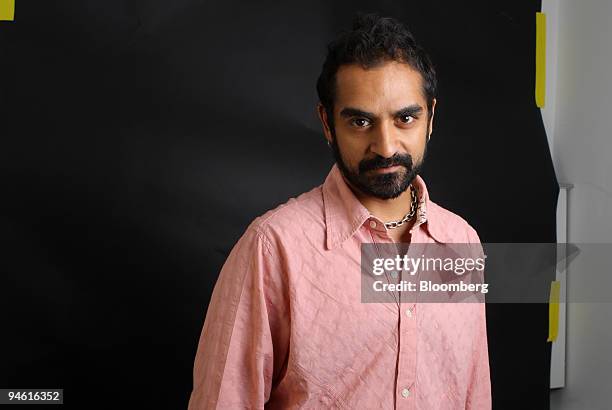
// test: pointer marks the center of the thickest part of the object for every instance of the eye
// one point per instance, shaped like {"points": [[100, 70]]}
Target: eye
{"points": [[360, 122], [406, 119]]}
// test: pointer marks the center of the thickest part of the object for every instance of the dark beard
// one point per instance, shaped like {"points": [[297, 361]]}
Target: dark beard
{"points": [[387, 185]]}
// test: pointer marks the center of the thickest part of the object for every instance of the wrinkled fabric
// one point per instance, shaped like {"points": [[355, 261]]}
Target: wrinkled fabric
{"points": [[286, 329]]}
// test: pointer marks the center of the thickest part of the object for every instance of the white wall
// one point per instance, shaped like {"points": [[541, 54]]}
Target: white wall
{"points": [[582, 151]]}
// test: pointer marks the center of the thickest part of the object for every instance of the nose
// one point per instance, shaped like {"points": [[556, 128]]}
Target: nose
{"points": [[385, 142]]}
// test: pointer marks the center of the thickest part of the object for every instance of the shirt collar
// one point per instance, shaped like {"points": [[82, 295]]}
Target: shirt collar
{"points": [[344, 213]]}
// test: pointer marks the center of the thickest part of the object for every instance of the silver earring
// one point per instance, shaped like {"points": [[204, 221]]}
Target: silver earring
{"points": [[328, 144]]}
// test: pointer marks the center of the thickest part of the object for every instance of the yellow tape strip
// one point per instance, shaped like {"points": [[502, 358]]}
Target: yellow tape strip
{"points": [[553, 311], [7, 10], [540, 85]]}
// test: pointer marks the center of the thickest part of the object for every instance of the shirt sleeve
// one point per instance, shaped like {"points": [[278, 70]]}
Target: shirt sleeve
{"points": [[242, 346], [479, 385]]}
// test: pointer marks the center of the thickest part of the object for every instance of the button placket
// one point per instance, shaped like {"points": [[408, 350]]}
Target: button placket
{"points": [[407, 356], [381, 241]]}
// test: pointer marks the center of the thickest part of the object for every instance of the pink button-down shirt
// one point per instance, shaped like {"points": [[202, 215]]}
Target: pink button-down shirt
{"points": [[286, 327]]}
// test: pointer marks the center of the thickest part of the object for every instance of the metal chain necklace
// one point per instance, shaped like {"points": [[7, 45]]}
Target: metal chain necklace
{"points": [[409, 215]]}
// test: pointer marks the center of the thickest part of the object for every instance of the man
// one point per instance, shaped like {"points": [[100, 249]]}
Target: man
{"points": [[286, 327]]}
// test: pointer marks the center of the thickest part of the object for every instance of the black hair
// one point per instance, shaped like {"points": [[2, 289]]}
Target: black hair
{"points": [[371, 41]]}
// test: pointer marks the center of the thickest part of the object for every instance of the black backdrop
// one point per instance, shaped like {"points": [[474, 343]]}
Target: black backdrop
{"points": [[139, 138]]}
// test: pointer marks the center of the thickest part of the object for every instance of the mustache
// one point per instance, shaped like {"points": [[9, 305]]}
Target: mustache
{"points": [[381, 162]]}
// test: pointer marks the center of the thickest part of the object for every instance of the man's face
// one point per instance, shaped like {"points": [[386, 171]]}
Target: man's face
{"points": [[380, 127]]}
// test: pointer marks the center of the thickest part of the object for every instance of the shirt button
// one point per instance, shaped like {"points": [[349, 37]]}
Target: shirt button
{"points": [[409, 312], [405, 393], [372, 224], [394, 274]]}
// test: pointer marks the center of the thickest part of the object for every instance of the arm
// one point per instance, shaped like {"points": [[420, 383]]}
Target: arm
{"points": [[235, 362], [479, 385]]}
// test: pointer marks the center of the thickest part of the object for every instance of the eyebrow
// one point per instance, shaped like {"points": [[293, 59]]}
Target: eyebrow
{"points": [[411, 110]]}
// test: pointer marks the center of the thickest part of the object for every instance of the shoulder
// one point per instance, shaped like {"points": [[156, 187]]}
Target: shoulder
{"points": [[273, 234], [449, 226], [303, 213]]}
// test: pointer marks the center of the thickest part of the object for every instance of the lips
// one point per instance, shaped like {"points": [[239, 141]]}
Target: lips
{"points": [[392, 168]]}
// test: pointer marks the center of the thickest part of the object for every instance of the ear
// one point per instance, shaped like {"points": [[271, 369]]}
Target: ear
{"points": [[323, 117], [433, 108]]}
